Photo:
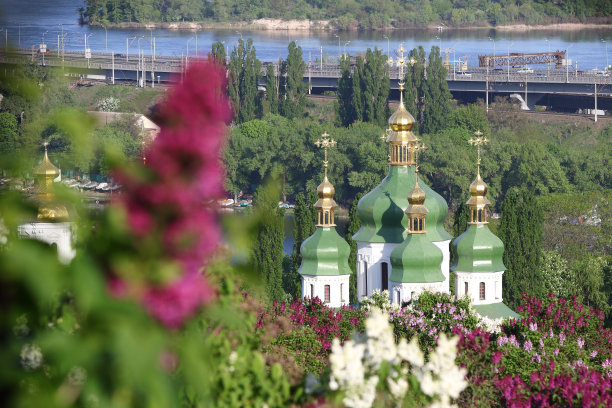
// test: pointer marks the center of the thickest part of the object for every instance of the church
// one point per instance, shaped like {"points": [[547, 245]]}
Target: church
{"points": [[402, 245]]}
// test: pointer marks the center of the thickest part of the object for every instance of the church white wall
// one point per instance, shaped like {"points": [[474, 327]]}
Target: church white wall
{"points": [[445, 266], [58, 233], [372, 254], [337, 284], [404, 292], [493, 286]]}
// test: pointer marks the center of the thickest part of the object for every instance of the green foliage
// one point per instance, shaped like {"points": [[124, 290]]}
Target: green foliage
{"points": [[348, 14], [438, 105], [293, 89], [303, 227], [8, 133], [351, 229], [272, 90], [267, 255], [346, 110], [218, 52], [520, 230], [244, 74]]}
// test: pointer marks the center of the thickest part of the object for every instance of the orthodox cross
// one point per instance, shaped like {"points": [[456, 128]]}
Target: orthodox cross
{"points": [[386, 135], [478, 141], [401, 60], [325, 142], [418, 148], [45, 144]]}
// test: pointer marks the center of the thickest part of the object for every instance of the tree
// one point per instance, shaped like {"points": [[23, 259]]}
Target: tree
{"points": [[371, 88], [8, 133], [520, 229], [346, 109], [271, 89], [415, 84], [218, 52], [557, 277], [438, 105], [244, 74], [351, 229], [267, 254], [294, 89], [303, 227]]}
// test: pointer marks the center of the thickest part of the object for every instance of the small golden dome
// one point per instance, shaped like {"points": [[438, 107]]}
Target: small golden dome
{"points": [[478, 187], [417, 195], [401, 120], [326, 189], [46, 168]]}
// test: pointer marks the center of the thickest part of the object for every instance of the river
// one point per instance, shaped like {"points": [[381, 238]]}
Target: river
{"points": [[27, 23]]}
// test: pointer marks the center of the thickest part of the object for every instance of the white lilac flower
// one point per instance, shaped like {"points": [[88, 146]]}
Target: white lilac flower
{"points": [[397, 387], [410, 352], [31, 357], [312, 383]]}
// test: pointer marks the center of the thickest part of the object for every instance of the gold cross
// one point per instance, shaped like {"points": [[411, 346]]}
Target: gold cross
{"points": [[45, 144], [478, 141], [418, 148], [386, 135], [324, 143]]}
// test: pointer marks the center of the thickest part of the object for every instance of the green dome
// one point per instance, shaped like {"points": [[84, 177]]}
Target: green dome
{"points": [[325, 253], [478, 250], [416, 260], [381, 211]]}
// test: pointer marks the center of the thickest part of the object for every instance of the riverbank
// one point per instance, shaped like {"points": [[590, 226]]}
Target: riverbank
{"points": [[271, 24]]}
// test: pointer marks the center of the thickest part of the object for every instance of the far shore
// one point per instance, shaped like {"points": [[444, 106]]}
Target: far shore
{"points": [[270, 24]]}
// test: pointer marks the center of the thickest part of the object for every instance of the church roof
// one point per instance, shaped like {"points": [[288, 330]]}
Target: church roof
{"points": [[325, 253], [478, 250], [381, 211], [416, 260], [495, 311]]}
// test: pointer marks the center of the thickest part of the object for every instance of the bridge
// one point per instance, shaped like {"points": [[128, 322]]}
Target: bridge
{"points": [[562, 89]]}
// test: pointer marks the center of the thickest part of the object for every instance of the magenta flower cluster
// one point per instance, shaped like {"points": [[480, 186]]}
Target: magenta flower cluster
{"points": [[327, 323], [165, 202]]}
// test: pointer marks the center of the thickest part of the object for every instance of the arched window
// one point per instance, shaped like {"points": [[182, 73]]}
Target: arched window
{"points": [[465, 284], [482, 290], [320, 218], [326, 217], [479, 215], [311, 291], [327, 293], [384, 276], [474, 216], [411, 295], [341, 290]]}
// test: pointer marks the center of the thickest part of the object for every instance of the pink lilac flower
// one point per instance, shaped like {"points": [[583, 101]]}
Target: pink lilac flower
{"points": [[164, 204], [580, 343], [528, 346], [533, 326]]}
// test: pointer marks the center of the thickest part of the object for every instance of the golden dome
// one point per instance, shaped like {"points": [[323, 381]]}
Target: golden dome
{"points": [[401, 120], [478, 187], [326, 189], [46, 168], [416, 200]]}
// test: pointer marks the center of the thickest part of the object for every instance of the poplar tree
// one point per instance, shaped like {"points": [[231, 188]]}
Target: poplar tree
{"points": [[520, 229], [271, 89], [218, 52], [460, 220], [375, 86], [244, 74], [415, 85], [303, 227], [294, 89], [267, 254], [437, 103], [351, 229], [358, 91], [346, 109]]}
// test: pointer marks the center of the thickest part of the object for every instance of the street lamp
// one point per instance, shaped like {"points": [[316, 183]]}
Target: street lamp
{"points": [[105, 39], [509, 61], [336, 35], [548, 65], [345, 44], [127, 46], [567, 63], [606, 43], [45, 49], [384, 36], [493, 39], [188, 49]]}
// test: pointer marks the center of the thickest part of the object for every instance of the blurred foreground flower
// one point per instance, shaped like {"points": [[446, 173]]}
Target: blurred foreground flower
{"points": [[165, 203]]}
